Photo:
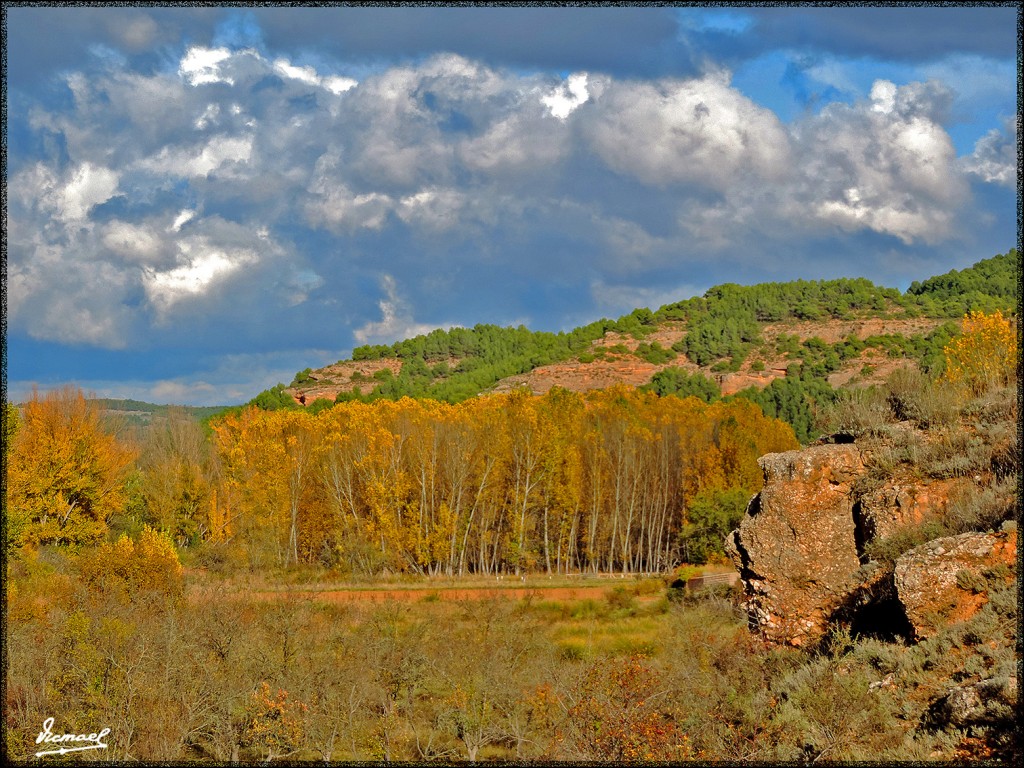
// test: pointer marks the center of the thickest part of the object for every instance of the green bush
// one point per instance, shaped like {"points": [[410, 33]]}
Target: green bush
{"points": [[676, 381]]}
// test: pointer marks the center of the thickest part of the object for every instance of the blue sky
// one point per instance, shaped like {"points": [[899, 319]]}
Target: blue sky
{"points": [[202, 201]]}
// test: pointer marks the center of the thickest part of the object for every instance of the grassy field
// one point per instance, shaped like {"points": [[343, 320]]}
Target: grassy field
{"points": [[616, 670]]}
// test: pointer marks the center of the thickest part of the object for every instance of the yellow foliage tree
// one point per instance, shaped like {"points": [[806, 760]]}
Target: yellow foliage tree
{"points": [[65, 473], [984, 355], [506, 483]]}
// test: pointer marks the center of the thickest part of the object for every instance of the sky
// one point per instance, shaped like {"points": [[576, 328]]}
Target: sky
{"points": [[201, 202]]}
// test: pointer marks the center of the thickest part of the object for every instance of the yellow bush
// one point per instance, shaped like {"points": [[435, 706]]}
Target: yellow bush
{"points": [[149, 564], [984, 355]]}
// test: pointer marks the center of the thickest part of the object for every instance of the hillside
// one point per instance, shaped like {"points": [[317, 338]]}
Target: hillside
{"points": [[732, 340], [140, 415]]}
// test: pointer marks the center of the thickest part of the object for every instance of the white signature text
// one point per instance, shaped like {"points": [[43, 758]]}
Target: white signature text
{"points": [[46, 736]]}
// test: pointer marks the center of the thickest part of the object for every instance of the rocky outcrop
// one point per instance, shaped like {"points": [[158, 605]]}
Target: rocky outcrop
{"points": [[947, 580], [985, 702], [796, 547], [731, 383], [800, 551]]}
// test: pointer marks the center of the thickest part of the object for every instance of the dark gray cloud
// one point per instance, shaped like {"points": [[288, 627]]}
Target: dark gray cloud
{"points": [[897, 33], [623, 40], [893, 33]]}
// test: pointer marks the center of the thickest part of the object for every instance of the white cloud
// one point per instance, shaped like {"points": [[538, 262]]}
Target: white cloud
{"points": [[564, 100], [203, 265], [202, 66], [308, 75], [884, 165], [337, 84], [89, 186], [334, 205], [131, 241], [200, 161], [883, 96], [209, 116], [691, 131], [396, 322], [995, 158], [183, 218], [524, 141], [434, 209]]}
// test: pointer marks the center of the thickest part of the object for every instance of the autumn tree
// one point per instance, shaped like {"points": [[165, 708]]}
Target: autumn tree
{"points": [[14, 525], [177, 478], [507, 483], [621, 714], [984, 355], [66, 473], [275, 723]]}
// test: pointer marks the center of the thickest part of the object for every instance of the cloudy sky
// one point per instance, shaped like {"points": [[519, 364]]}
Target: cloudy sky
{"points": [[202, 201]]}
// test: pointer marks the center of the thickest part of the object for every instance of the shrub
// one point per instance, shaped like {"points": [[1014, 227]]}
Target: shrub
{"points": [[971, 581], [617, 716], [890, 548], [619, 598], [133, 568], [905, 386], [984, 355], [955, 453], [981, 508], [857, 412]]}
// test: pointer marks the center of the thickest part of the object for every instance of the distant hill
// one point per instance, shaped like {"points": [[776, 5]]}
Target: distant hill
{"points": [[139, 413], [734, 339]]}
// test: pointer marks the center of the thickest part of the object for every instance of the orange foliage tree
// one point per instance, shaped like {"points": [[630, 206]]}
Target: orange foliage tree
{"points": [[275, 724], [619, 715], [65, 472]]}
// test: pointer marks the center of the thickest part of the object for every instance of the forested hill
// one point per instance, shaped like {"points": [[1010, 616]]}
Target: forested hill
{"points": [[781, 344]]}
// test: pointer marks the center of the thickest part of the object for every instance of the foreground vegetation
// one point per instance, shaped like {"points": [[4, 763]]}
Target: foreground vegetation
{"points": [[630, 676]]}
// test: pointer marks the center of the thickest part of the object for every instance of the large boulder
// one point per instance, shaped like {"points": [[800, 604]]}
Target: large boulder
{"points": [[801, 549], [796, 548], [947, 580]]}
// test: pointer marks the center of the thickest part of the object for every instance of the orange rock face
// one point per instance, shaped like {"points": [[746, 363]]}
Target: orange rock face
{"points": [[800, 551], [947, 580], [796, 548], [886, 510]]}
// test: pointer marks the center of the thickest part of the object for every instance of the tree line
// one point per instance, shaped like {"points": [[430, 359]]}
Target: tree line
{"points": [[508, 483], [613, 480]]}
